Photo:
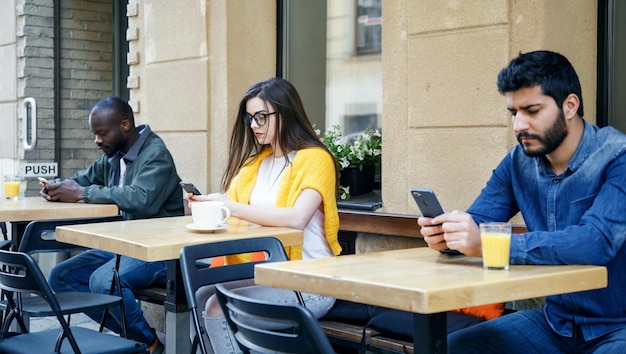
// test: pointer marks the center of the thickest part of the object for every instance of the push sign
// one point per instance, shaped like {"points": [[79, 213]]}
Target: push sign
{"points": [[45, 169]]}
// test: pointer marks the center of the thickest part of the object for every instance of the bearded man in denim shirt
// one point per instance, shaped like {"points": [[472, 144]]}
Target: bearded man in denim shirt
{"points": [[568, 180]]}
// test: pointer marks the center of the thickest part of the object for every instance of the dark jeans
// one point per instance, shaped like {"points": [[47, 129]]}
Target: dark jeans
{"points": [[527, 332]]}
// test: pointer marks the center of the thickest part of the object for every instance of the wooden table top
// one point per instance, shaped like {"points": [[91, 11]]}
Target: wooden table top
{"points": [[37, 208], [422, 280], [162, 238]]}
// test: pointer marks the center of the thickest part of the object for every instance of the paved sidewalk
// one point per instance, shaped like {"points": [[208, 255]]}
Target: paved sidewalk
{"points": [[43, 323]]}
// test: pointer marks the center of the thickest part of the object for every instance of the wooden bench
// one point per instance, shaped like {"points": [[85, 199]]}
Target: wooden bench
{"points": [[154, 295], [347, 335]]}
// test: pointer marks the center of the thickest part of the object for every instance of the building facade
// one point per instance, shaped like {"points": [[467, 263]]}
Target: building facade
{"points": [[188, 63]]}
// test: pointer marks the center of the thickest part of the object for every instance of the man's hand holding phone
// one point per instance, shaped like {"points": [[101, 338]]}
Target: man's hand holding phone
{"points": [[456, 230], [58, 190], [44, 182], [432, 231]]}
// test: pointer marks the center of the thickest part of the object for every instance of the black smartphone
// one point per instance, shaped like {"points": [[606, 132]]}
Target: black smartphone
{"points": [[190, 188], [430, 207], [427, 202]]}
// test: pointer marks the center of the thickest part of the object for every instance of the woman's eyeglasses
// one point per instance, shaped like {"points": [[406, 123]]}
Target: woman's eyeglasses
{"points": [[259, 117]]}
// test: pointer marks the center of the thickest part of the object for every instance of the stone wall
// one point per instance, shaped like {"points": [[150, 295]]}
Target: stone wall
{"points": [[86, 76], [190, 66], [86, 72], [35, 74], [445, 126]]}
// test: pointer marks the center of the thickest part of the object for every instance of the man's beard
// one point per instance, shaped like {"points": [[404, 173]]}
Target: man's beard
{"points": [[552, 139]]}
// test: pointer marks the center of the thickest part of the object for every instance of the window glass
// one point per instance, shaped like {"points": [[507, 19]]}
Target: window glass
{"points": [[331, 52], [353, 65]]}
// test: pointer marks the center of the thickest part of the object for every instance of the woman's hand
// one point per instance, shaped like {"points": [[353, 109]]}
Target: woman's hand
{"points": [[217, 197], [196, 198]]}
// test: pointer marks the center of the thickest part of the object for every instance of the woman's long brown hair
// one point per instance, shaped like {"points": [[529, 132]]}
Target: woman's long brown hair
{"points": [[293, 129]]}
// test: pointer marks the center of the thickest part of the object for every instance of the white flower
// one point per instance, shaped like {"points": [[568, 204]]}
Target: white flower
{"points": [[362, 150]]}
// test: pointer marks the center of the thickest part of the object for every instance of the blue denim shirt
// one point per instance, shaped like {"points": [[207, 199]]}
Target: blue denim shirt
{"points": [[577, 217]]}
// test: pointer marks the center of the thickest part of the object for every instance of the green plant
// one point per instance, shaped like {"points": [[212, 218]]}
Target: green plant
{"points": [[358, 150]]}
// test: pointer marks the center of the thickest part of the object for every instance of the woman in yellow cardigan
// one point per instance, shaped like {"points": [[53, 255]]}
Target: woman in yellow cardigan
{"points": [[279, 174]]}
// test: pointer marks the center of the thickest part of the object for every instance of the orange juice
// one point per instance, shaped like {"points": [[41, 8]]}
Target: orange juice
{"points": [[496, 244], [11, 189], [496, 249]]}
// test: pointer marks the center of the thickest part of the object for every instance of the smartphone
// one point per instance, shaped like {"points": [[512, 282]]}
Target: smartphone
{"points": [[190, 188], [427, 202], [44, 182], [430, 207]]}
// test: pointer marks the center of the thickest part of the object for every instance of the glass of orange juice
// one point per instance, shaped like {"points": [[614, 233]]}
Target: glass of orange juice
{"points": [[11, 187], [496, 245]]}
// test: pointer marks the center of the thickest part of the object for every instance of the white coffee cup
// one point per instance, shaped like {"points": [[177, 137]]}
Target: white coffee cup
{"points": [[209, 214]]}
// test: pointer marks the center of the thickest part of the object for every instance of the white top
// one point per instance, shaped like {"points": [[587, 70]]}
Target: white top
{"points": [[265, 192], [122, 172]]}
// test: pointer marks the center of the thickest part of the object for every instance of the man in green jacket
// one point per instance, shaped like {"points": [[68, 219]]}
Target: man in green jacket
{"points": [[136, 173]]}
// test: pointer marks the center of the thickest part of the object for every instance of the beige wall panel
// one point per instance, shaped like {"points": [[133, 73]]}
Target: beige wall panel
{"points": [[437, 15], [251, 45], [176, 93], [242, 51], [444, 77], [456, 163], [394, 118], [7, 19], [200, 59], [8, 122], [8, 73], [174, 31], [550, 25], [189, 152], [453, 83], [578, 17]]}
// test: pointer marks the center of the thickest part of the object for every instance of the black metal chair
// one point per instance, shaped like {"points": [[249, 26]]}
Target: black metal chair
{"points": [[196, 273], [39, 237], [3, 228], [20, 274], [265, 327]]}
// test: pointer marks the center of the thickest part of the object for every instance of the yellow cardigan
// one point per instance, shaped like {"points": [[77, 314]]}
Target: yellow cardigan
{"points": [[312, 168]]}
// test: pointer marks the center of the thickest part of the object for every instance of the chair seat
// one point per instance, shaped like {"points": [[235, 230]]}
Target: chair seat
{"points": [[71, 303], [89, 341]]}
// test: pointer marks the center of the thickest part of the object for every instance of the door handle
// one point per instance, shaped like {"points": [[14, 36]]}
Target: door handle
{"points": [[30, 105]]}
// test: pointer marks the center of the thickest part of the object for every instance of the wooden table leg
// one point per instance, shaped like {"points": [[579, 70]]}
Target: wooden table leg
{"points": [[430, 333]]}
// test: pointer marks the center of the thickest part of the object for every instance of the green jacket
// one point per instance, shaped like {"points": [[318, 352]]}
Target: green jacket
{"points": [[150, 186]]}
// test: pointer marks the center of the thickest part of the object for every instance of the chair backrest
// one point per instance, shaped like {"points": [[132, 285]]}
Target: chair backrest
{"points": [[19, 273], [266, 327], [3, 228], [196, 273], [39, 235]]}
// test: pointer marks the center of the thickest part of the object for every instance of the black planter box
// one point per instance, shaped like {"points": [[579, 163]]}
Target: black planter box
{"points": [[360, 182]]}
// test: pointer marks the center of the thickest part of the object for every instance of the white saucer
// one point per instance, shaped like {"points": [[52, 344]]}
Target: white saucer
{"points": [[195, 227]]}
